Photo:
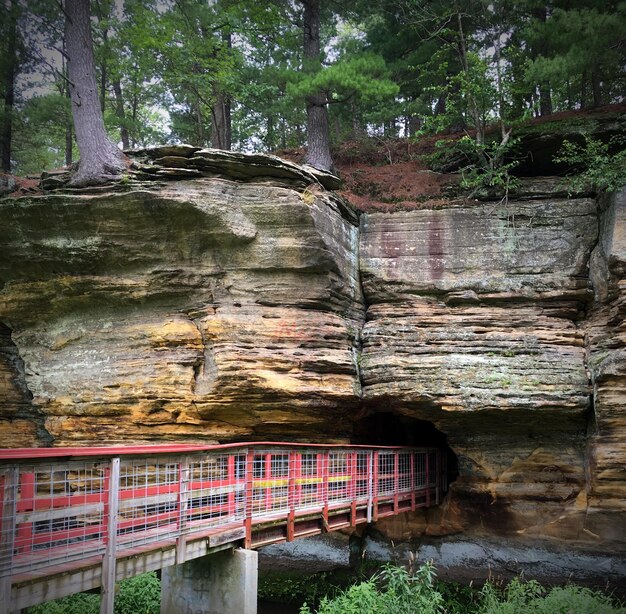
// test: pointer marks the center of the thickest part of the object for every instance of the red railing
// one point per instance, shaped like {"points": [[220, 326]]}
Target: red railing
{"points": [[63, 508]]}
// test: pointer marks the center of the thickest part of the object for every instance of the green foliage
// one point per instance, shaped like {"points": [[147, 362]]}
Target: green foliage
{"points": [[485, 168], [471, 98], [40, 133], [138, 595], [394, 590], [361, 598], [599, 164], [575, 42], [81, 603], [491, 171], [363, 75], [531, 598], [458, 598], [389, 68], [265, 115]]}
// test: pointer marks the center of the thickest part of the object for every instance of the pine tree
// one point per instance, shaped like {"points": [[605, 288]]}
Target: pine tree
{"points": [[100, 158], [318, 139]]}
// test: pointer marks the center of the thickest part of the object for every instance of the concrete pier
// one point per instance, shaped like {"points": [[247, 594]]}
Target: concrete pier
{"points": [[221, 583]]}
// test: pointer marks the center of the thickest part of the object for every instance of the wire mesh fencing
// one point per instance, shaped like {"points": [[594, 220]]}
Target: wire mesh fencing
{"points": [[57, 512]]}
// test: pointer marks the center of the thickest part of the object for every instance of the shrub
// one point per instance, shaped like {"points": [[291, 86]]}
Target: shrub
{"points": [[458, 598], [81, 603], [284, 588], [394, 590], [531, 598], [486, 169], [596, 163], [138, 595]]}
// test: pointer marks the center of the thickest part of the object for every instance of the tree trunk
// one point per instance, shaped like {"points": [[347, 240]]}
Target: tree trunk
{"points": [[9, 90], [596, 87], [500, 87], [357, 131], [200, 142], [134, 107], [440, 105], [545, 99], [69, 144], [69, 136], [270, 131], [474, 111], [103, 72], [415, 125], [105, 54], [541, 48], [583, 90], [65, 91], [318, 137], [100, 159], [221, 124], [570, 102], [221, 130], [121, 114]]}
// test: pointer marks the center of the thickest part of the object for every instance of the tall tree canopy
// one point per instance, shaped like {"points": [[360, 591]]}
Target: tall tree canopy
{"points": [[292, 73]]}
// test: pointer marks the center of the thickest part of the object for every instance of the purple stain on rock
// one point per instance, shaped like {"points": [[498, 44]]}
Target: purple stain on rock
{"points": [[435, 247]]}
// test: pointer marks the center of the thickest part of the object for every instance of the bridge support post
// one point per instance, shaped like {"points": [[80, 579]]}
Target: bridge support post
{"points": [[220, 583]]}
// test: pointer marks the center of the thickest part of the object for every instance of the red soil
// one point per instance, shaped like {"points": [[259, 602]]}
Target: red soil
{"points": [[384, 174], [24, 186]]}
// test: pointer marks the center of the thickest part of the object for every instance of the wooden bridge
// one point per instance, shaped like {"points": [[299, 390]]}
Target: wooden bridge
{"points": [[74, 519]]}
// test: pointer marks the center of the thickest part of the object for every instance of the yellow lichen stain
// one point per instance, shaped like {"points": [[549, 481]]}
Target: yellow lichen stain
{"points": [[308, 195], [278, 381], [178, 331], [63, 339]]}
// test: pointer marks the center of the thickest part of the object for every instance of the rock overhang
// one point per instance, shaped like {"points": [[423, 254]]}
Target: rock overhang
{"points": [[153, 302]]}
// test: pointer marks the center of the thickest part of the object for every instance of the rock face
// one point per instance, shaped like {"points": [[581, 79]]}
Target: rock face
{"points": [[20, 422], [219, 297], [204, 309], [607, 362], [473, 323]]}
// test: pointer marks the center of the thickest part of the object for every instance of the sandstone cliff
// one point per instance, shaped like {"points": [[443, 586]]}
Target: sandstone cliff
{"points": [[606, 330], [205, 309], [221, 297]]}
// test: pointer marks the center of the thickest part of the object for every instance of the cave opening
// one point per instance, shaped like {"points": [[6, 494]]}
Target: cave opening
{"points": [[390, 429]]}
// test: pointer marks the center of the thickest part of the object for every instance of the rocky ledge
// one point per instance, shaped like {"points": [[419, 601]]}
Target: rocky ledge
{"points": [[173, 162]]}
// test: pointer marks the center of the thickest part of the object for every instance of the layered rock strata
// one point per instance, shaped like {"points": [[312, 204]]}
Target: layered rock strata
{"points": [[222, 297], [475, 323], [20, 422], [205, 309], [606, 331]]}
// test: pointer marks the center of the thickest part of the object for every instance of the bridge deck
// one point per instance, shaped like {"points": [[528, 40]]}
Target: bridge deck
{"points": [[74, 519]]}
